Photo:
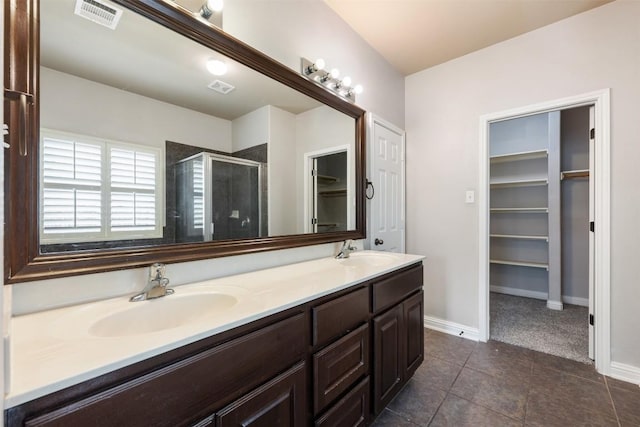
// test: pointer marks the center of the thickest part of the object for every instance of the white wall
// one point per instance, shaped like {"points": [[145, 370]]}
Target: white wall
{"points": [[591, 51], [250, 130], [287, 30], [77, 105], [277, 128], [319, 129], [282, 176]]}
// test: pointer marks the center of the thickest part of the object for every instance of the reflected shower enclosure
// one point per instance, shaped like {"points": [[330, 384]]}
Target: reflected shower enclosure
{"points": [[219, 198]]}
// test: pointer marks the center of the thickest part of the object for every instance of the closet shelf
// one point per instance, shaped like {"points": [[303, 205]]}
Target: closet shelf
{"points": [[520, 237], [519, 210], [327, 179], [336, 192], [519, 183], [520, 263], [578, 173], [523, 155]]}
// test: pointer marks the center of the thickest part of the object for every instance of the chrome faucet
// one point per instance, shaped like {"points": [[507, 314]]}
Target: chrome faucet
{"points": [[347, 248], [156, 286]]}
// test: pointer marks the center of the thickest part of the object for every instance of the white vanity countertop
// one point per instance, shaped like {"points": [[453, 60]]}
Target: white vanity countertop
{"points": [[54, 349]]}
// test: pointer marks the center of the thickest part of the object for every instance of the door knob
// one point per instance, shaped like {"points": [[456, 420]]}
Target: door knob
{"points": [[378, 242]]}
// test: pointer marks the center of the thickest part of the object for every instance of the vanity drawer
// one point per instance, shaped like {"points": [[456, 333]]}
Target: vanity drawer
{"points": [[332, 319], [339, 365], [394, 289], [177, 393], [350, 411]]}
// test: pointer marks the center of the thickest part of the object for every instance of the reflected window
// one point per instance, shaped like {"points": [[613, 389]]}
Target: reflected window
{"points": [[94, 189]]}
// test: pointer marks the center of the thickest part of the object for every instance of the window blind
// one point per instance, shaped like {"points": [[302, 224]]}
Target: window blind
{"points": [[72, 177], [198, 194], [97, 190], [133, 182]]}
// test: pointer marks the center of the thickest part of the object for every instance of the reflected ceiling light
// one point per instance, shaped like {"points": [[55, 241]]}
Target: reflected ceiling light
{"points": [[216, 67], [210, 7], [329, 80]]}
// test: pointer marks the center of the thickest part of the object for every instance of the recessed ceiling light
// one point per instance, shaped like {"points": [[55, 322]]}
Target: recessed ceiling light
{"points": [[216, 67]]}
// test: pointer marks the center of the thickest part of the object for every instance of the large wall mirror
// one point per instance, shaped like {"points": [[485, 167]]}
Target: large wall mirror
{"points": [[128, 150]]}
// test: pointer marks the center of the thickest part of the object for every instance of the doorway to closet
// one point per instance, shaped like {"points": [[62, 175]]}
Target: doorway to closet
{"points": [[541, 275]]}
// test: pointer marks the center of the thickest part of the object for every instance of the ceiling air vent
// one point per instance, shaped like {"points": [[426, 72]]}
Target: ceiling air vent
{"points": [[99, 12], [220, 86]]}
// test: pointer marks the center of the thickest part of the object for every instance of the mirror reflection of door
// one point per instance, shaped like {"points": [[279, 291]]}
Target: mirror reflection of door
{"points": [[329, 192]]}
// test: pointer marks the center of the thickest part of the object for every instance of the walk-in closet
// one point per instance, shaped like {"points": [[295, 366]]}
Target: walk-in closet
{"points": [[539, 231]]}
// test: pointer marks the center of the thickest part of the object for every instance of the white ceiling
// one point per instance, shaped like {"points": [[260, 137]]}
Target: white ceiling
{"points": [[416, 34], [143, 57]]}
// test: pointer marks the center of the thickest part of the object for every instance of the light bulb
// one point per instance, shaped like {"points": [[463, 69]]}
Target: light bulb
{"points": [[358, 89], [335, 73], [346, 81], [215, 5], [319, 64], [216, 67]]}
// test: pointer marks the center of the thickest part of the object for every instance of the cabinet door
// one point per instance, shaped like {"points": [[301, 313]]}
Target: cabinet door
{"points": [[413, 308], [279, 403], [387, 356]]}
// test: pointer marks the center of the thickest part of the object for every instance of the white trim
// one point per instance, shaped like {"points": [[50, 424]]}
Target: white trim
{"points": [[601, 100], [584, 302], [372, 120], [624, 372], [554, 305], [538, 295], [308, 197], [451, 328], [519, 292]]}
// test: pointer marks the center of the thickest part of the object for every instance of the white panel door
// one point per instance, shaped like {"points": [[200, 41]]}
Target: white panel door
{"points": [[387, 175]]}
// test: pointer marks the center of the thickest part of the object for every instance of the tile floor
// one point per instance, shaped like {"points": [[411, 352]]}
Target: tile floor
{"points": [[463, 383]]}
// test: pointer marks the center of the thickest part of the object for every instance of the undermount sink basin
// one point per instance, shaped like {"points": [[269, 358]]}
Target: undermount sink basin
{"points": [[159, 314], [368, 259]]}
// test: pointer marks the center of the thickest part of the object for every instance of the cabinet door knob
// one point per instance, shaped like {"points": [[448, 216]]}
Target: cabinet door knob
{"points": [[378, 242]]}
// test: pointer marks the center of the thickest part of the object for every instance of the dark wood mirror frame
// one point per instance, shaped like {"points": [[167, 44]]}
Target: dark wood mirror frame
{"points": [[22, 258]]}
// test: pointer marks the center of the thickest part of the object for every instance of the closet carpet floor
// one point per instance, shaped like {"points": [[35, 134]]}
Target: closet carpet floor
{"points": [[528, 323], [464, 383]]}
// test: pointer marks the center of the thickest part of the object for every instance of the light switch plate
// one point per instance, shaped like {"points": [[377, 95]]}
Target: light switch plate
{"points": [[470, 196]]}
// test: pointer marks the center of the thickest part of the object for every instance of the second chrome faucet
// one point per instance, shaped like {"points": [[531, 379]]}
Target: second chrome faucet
{"points": [[347, 248]]}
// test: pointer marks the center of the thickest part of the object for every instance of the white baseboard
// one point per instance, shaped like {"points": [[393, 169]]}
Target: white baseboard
{"points": [[575, 300], [628, 373], [539, 295], [554, 305], [519, 292], [451, 328]]}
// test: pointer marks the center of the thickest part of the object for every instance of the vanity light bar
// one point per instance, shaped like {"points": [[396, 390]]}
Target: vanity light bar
{"points": [[329, 80]]}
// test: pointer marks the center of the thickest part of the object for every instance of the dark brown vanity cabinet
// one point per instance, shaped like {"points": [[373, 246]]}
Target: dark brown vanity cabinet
{"points": [[323, 363], [398, 333]]}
